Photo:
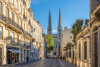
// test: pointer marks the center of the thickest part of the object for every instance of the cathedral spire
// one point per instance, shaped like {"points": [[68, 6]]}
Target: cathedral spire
{"points": [[59, 24], [49, 30]]}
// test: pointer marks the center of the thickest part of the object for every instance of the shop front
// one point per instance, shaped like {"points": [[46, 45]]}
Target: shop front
{"points": [[13, 51]]}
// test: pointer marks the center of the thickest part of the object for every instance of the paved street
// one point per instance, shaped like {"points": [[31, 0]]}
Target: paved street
{"points": [[46, 63]]}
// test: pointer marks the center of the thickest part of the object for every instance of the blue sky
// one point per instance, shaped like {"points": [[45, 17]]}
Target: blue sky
{"points": [[70, 11]]}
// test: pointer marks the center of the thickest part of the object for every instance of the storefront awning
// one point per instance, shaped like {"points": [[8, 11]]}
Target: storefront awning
{"points": [[14, 51]]}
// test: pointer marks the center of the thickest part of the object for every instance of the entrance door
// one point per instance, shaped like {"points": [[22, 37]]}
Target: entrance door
{"points": [[73, 56], [0, 56], [96, 50]]}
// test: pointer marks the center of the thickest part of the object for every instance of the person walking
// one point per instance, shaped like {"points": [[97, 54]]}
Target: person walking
{"points": [[56, 59], [27, 58], [12, 59]]}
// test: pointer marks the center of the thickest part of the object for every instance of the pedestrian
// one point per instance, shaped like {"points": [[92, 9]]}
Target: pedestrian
{"points": [[40, 58], [27, 58], [12, 59], [56, 59]]}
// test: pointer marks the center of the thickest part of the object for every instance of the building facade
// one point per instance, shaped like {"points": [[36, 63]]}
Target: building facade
{"points": [[88, 48], [56, 37], [45, 46], [16, 31], [66, 36]]}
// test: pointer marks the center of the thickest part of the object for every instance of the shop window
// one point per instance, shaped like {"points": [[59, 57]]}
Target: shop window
{"points": [[85, 50], [0, 7], [0, 32], [79, 51]]}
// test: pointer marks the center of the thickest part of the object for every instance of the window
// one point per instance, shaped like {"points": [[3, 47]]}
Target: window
{"points": [[85, 50], [0, 7], [70, 31], [79, 51], [17, 4], [20, 9], [7, 14], [12, 16], [17, 20], [7, 33], [70, 37], [0, 32], [13, 36], [17, 37], [70, 54], [12, 1]]}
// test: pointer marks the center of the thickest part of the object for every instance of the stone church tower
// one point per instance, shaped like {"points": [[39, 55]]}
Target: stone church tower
{"points": [[56, 37], [49, 30], [59, 30]]}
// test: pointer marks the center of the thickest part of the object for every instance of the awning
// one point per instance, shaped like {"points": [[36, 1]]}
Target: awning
{"points": [[14, 51], [11, 50]]}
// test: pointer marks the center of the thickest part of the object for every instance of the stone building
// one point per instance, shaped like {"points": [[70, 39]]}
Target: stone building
{"points": [[56, 37], [88, 48], [66, 36], [45, 46], [17, 27]]}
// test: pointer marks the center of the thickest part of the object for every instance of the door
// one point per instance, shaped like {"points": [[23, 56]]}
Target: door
{"points": [[0, 56], [73, 56], [96, 50]]}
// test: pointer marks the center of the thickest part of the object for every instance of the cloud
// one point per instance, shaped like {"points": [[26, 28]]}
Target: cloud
{"points": [[38, 1], [54, 31]]}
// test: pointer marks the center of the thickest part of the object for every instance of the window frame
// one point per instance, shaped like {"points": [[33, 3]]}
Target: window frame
{"points": [[85, 50], [2, 32]]}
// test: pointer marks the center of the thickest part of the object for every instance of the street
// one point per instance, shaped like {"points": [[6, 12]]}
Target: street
{"points": [[46, 63]]}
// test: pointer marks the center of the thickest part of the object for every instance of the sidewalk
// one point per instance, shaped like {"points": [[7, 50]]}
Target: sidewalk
{"points": [[21, 64]]}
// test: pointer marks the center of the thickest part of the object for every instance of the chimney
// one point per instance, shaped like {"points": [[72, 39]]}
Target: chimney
{"points": [[65, 28]]}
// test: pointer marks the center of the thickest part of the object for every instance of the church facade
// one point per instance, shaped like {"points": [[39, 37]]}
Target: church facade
{"points": [[56, 37]]}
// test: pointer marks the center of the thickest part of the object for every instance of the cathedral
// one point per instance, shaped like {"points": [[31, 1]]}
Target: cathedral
{"points": [[56, 37]]}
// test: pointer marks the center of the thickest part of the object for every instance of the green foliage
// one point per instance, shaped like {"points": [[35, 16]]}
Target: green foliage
{"points": [[68, 46], [76, 28], [50, 42], [86, 21]]}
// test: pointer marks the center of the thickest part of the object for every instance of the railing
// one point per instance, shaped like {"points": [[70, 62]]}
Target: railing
{"points": [[30, 10], [30, 24], [28, 34], [10, 21], [24, 17], [24, 2]]}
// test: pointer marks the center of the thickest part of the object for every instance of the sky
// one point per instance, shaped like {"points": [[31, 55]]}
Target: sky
{"points": [[70, 11]]}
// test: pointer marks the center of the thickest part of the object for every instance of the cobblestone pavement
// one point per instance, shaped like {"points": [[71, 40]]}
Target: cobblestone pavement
{"points": [[46, 63]]}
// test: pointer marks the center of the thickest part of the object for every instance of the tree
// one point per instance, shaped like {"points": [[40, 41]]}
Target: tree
{"points": [[50, 42], [86, 21], [68, 46], [76, 28]]}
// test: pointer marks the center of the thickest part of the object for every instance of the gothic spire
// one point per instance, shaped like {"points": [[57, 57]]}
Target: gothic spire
{"points": [[49, 30], [59, 24]]}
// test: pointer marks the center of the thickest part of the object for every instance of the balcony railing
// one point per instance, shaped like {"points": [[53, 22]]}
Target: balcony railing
{"points": [[10, 21], [24, 2], [28, 34], [30, 24], [24, 17]]}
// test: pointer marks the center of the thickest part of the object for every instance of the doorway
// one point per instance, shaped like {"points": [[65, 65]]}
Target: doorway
{"points": [[96, 50], [0, 56]]}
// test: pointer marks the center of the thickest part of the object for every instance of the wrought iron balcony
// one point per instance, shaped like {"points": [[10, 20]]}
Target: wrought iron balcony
{"points": [[30, 24], [8, 21], [24, 2], [28, 34], [24, 17]]}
